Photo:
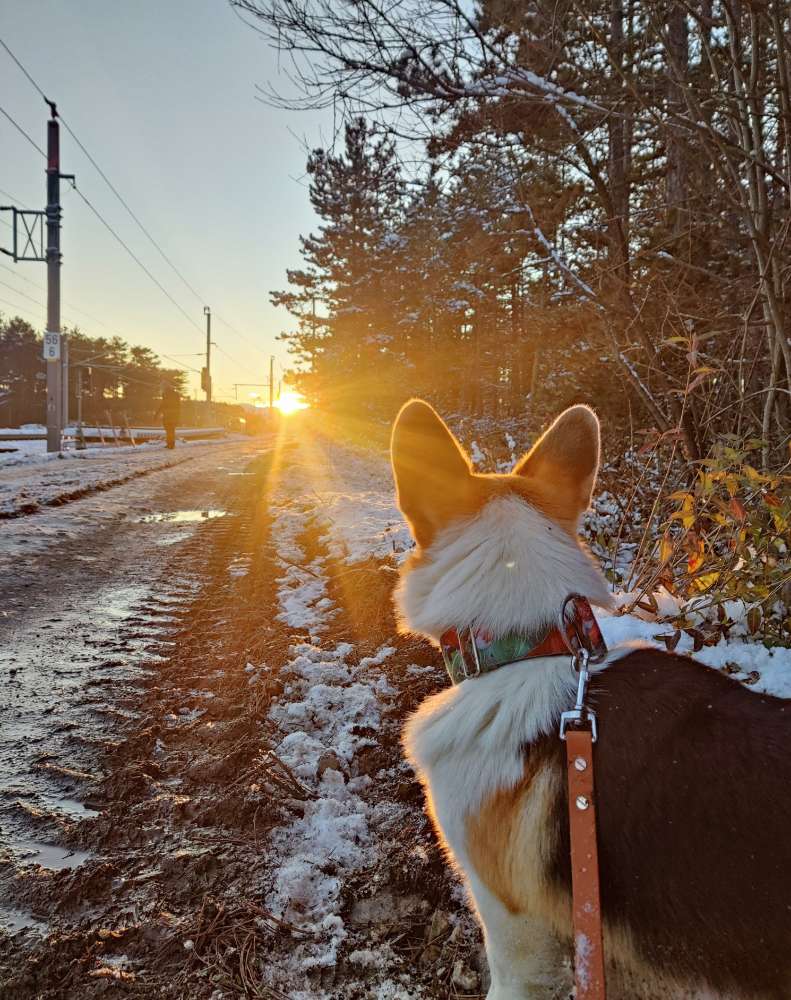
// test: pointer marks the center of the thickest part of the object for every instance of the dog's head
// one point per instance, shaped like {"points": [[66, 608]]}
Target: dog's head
{"points": [[497, 551]]}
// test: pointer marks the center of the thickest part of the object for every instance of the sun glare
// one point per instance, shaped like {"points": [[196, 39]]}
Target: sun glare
{"points": [[290, 401]]}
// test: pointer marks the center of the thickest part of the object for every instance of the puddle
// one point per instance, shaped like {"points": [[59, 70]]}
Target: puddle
{"points": [[183, 516], [13, 920], [50, 856], [73, 808], [47, 803]]}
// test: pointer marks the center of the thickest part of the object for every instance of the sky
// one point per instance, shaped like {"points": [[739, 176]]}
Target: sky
{"points": [[162, 93]]}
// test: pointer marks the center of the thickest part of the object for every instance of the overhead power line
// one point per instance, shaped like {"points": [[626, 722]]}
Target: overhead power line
{"points": [[19, 64], [124, 202], [132, 214], [70, 306], [7, 194], [188, 368], [30, 298], [118, 372], [21, 277], [96, 212], [69, 321], [19, 129], [137, 260], [17, 309], [239, 333], [231, 357], [38, 302]]}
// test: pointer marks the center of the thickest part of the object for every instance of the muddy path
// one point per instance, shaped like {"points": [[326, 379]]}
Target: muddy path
{"points": [[82, 618], [197, 856]]}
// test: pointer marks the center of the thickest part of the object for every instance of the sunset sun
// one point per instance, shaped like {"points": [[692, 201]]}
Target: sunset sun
{"points": [[291, 401]]}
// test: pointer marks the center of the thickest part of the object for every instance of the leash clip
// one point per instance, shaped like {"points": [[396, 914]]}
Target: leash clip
{"points": [[579, 715], [586, 645]]}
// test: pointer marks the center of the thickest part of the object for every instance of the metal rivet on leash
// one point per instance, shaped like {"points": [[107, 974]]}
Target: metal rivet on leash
{"points": [[580, 763], [582, 802]]}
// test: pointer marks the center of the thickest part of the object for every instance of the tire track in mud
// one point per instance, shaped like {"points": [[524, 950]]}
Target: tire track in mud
{"points": [[357, 868], [66, 900]]}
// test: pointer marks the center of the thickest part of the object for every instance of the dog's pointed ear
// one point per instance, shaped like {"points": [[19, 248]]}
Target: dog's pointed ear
{"points": [[429, 467], [566, 457]]}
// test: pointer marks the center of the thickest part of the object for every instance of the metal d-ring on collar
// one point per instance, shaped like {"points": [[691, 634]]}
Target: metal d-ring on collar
{"points": [[573, 631]]}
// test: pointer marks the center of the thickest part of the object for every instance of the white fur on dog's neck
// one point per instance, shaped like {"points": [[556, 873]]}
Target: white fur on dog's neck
{"points": [[507, 569]]}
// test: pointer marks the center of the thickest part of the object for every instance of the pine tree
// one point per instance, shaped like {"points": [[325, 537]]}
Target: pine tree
{"points": [[342, 299]]}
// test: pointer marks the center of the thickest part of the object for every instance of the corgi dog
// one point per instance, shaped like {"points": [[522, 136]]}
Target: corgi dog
{"points": [[693, 771]]}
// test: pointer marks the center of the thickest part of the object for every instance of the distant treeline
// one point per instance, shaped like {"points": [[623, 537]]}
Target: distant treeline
{"points": [[119, 380], [593, 202]]}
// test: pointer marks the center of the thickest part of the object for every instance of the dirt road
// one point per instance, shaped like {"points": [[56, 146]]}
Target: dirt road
{"points": [[83, 598], [202, 789]]}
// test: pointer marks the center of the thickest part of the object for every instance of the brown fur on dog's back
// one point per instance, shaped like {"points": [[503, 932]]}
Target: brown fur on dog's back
{"points": [[693, 810]]}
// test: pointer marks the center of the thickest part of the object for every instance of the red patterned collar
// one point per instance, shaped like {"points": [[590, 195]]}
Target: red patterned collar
{"points": [[468, 652]]}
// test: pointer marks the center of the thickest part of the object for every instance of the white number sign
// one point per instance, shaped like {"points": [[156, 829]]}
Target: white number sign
{"points": [[51, 346]]}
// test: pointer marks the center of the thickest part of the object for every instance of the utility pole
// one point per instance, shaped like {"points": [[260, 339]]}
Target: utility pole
{"points": [[53, 350], [271, 381], [207, 385], [30, 245]]}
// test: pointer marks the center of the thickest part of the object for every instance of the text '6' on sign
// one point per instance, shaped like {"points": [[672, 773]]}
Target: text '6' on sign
{"points": [[51, 346]]}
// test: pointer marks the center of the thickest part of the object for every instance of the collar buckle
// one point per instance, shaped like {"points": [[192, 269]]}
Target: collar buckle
{"points": [[468, 638]]}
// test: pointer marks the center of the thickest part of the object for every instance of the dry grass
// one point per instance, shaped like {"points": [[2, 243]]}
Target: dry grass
{"points": [[231, 943]]}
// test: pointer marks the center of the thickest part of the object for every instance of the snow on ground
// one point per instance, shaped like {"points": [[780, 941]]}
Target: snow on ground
{"points": [[28, 450], [24, 444], [743, 660], [331, 701], [34, 452], [330, 501], [35, 478], [356, 506], [24, 448], [331, 705], [303, 588]]}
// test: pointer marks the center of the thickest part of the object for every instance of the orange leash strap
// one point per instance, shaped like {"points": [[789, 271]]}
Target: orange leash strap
{"points": [[588, 943]]}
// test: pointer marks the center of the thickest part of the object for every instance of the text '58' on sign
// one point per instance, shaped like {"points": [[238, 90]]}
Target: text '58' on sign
{"points": [[51, 346]]}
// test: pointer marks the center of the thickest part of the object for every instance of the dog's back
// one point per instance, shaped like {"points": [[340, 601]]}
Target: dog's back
{"points": [[693, 779], [692, 769]]}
